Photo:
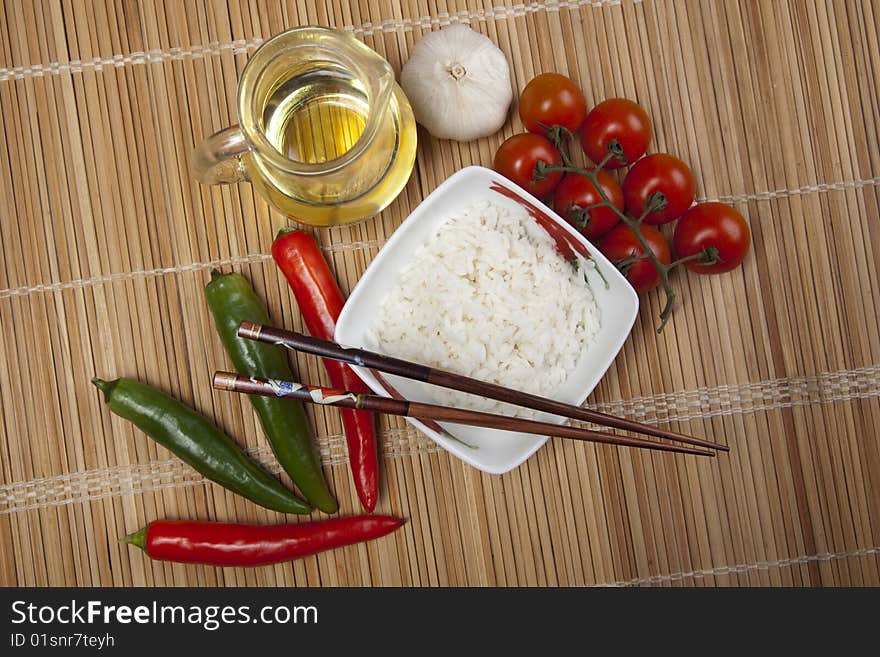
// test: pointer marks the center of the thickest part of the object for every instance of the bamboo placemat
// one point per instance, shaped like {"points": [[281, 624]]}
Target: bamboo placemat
{"points": [[105, 239]]}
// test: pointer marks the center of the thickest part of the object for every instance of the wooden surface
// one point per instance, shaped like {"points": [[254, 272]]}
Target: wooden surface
{"points": [[106, 240]]}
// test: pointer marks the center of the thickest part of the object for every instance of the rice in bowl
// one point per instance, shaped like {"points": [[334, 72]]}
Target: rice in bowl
{"points": [[490, 297]]}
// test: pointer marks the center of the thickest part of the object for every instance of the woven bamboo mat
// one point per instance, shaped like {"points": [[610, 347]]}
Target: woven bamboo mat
{"points": [[107, 244]]}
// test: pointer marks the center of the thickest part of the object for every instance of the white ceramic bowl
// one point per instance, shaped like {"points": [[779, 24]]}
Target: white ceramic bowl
{"points": [[496, 451]]}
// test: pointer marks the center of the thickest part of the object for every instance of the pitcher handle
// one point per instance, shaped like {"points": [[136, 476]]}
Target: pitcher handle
{"points": [[217, 159]]}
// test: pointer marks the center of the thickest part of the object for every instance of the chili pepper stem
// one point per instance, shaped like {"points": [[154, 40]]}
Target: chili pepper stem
{"points": [[286, 230], [105, 386], [138, 538]]}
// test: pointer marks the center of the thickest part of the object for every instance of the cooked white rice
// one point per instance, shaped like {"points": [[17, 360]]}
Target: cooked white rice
{"points": [[490, 297]]}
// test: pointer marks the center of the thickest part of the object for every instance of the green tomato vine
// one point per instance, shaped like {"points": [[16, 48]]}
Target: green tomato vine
{"points": [[560, 136]]}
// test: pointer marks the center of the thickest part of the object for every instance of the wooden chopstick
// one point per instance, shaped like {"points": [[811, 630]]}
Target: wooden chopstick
{"points": [[410, 370], [419, 410]]}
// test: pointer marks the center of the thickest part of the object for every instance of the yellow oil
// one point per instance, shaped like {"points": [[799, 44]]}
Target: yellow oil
{"points": [[323, 128], [317, 117]]}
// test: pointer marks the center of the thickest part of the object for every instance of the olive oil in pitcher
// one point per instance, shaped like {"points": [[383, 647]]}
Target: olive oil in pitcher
{"points": [[326, 134], [319, 117]]}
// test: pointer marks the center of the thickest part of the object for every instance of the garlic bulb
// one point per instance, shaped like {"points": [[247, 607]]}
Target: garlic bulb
{"points": [[458, 83]]}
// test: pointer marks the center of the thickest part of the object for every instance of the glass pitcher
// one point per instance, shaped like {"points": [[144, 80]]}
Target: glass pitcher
{"points": [[326, 135]]}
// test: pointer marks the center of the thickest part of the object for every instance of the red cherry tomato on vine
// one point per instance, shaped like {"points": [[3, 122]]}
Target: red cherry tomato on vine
{"points": [[552, 99], [616, 123], [712, 225], [517, 157], [621, 245], [661, 178], [576, 192]]}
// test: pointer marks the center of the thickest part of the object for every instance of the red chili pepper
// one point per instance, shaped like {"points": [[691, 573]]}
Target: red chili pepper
{"points": [[320, 302], [229, 544]]}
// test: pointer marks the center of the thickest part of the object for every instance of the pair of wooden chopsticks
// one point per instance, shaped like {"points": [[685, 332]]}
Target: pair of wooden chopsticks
{"points": [[419, 410]]}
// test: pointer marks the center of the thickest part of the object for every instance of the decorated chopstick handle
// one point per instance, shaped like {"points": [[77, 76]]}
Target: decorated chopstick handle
{"points": [[253, 385]]}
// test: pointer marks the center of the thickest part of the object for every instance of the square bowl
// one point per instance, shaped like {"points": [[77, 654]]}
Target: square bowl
{"points": [[489, 450]]}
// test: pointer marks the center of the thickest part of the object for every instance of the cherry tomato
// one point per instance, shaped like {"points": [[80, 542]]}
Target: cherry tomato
{"points": [[664, 174], [576, 192], [552, 99], [710, 225], [517, 157], [622, 244], [616, 122]]}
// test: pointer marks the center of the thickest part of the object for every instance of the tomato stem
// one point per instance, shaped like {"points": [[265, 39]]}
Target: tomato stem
{"points": [[708, 256], [580, 216], [656, 202], [643, 215], [593, 206], [559, 136], [626, 263], [634, 224], [613, 149]]}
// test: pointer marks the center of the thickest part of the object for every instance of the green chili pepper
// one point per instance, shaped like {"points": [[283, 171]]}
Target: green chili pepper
{"points": [[232, 300], [193, 438]]}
